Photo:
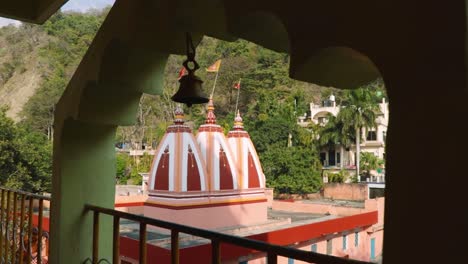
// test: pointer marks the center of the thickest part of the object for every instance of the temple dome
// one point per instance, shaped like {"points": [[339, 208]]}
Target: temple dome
{"points": [[216, 153], [177, 165], [247, 161]]}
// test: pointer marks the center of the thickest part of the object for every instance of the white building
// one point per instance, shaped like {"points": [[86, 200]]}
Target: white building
{"points": [[339, 157]]}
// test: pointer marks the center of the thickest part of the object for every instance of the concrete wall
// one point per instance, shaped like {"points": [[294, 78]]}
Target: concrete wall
{"points": [[212, 217], [269, 195], [316, 208], [346, 191]]}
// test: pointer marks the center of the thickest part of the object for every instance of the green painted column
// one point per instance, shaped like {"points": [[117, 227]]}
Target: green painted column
{"points": [[84, 173]]}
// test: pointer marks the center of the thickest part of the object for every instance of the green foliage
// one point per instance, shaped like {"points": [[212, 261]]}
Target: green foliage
{"points": [[121, 164], [271, 122], [359, 109], [335, 177], [335, 132], [69, 36], [339, 177], [370, 162], [291, 169], [129, 168], [25, 157]]}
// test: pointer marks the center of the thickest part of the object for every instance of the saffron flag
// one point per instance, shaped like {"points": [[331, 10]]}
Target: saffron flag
{"points": [[237, 85], [182, 72], [214, 67]]}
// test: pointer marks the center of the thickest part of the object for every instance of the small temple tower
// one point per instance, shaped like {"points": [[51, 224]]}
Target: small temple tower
{"points": [[219, 159], [177, 166], [177, 178], [196, 183], [248, 164]]}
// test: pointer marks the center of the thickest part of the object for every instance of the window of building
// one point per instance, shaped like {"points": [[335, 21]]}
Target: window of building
{"points": [[384, 135], [338, 157], [331, 157], [371, 135], [329, 246], [322, 120], [313, 248], [323, 158], [356, 239], [290, 261], [372, 249], [345, 242]]}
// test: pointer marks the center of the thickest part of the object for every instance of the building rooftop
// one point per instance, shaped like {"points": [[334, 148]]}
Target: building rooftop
{"points": [[276, 220]]}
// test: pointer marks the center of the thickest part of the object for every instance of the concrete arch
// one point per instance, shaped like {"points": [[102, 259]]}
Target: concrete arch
{"points": [[323, 113], [261, 27], [337, 66], [189, 18]]}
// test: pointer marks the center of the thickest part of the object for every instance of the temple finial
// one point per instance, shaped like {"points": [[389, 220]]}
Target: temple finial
{"points": [[179, 115]]}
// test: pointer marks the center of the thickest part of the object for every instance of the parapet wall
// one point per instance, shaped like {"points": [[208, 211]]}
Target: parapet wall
{"points": [[346, 191]]}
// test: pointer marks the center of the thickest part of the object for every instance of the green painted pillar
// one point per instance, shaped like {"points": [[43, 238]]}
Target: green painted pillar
{"points": [[84, 173]]}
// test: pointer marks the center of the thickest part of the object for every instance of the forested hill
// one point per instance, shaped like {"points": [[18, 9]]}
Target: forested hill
{"points": [[36, 62]]}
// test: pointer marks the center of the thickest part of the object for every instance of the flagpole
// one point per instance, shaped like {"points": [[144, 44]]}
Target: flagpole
{"points": [[214, 85], [238, 92]]}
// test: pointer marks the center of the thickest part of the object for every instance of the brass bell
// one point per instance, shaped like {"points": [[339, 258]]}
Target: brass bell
{"points": [[190, 90]]}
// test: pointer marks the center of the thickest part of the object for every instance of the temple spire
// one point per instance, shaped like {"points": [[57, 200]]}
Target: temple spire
{"points": [[210, 115], [238, 124], [179, 116]]}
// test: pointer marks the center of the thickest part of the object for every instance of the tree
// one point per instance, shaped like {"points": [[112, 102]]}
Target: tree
{"points": [[335, 133], [358, 111], [25, 157], [67, 37], [291, 169], [370, 162]]}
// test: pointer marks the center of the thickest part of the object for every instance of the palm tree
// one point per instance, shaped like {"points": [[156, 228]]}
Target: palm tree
{"points": [[335, 133], [359, 110]]}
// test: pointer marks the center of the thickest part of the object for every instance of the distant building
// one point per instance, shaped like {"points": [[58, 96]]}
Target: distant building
{"points": [[339, 157]]}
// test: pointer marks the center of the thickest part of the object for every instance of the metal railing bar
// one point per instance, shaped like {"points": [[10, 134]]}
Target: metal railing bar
{"points": [[30, 228], [1, 223], [272, 258], [32, 195], [116, 237], [8, 209], [39, 233], [238, 241], [21, 229], [215, 252], [174, 246], [14, 229], [143, 237], [95, 237]]}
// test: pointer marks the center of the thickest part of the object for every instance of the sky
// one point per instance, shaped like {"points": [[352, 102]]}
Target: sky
{"points": [[75, 5]]}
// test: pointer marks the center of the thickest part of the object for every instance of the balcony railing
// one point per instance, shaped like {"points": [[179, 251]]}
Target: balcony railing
{"points": [[272, 251], [22, 236], [22, 220]]}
